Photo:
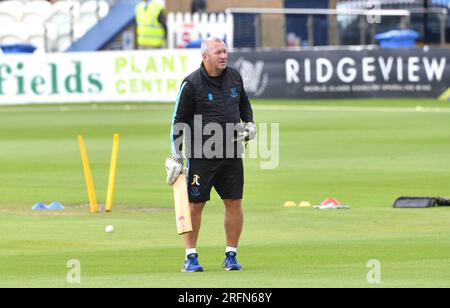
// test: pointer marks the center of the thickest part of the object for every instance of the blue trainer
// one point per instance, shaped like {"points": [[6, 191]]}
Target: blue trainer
{"points": [[191, 265], [231, 263]]}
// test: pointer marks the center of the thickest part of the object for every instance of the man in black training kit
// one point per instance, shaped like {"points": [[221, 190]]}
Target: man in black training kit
{"points": [[212, 95]]}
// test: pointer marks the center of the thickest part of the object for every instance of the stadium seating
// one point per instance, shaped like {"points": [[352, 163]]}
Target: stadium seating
{"points": [[91, 11], [50, 27], [16, 33], [10, 11], [36, 12]]}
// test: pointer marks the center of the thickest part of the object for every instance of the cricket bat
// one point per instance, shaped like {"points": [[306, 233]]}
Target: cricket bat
{"points": [[182, 210]]}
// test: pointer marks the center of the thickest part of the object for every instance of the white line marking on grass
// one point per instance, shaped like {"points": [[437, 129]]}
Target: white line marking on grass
{"points": [[352, 109], [32, 109], [122, 108]]}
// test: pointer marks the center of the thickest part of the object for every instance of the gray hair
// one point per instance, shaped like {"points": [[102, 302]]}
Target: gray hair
{"points": [[206, 42]]}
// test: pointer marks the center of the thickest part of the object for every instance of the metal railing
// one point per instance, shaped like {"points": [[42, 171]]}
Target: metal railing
{"points": [[367, 18]]}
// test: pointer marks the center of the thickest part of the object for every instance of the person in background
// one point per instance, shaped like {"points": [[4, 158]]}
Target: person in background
{"points": [[151, 24]]}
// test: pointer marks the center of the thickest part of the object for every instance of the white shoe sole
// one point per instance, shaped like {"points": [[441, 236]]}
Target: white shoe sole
{"points": [[184, 271], [233, 269]]}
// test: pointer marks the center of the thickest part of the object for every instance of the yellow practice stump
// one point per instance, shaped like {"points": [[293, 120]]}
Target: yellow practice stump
{"points": [[88, 176], [112, 174]]}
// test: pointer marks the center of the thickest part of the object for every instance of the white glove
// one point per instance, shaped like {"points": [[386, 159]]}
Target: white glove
{"points": [[174, 167], [249, 131], [246, 132]]}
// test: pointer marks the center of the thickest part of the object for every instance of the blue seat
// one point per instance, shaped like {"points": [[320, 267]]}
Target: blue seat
{"points": [[18, 48]]}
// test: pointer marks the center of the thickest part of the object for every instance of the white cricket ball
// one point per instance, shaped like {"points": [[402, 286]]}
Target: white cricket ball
{"points": [[109, 229]]}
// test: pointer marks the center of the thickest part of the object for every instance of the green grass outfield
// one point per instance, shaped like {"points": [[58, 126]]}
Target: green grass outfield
{"points": [[365, 153]]}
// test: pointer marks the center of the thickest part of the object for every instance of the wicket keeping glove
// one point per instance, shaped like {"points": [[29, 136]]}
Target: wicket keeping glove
{"points": [[174, 167], [249, 131]]}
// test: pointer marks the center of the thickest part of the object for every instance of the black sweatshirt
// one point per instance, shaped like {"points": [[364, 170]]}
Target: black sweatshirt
{"points": [[219, 101]]}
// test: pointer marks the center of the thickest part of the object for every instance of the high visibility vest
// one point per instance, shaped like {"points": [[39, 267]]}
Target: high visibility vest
{"points": [[149, 30]]}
